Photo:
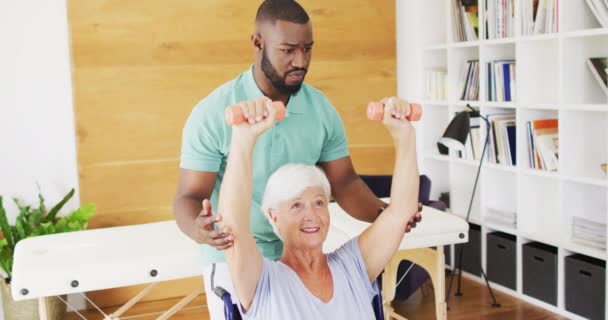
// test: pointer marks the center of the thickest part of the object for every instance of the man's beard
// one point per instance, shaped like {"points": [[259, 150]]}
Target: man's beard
{"points": [[276, 80]]}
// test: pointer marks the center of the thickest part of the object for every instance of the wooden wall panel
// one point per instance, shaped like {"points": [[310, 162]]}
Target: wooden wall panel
{"points": [[139, 67]]}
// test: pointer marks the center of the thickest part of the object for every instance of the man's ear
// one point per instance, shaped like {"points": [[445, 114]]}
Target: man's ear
{"points": [[256, 40]]}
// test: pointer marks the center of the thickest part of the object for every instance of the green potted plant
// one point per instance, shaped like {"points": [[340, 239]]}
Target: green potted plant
{"points": [[34, 221]]}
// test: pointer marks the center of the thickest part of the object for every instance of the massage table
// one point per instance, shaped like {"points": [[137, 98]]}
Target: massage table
{"points": [[89, 260]]}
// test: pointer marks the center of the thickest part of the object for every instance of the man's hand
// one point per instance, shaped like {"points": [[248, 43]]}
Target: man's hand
{"points": [[414, 220], [205, 231]]}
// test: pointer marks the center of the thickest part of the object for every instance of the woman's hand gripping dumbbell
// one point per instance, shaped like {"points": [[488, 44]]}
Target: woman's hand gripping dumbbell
{"points": [[375, 110], [253, 111]]}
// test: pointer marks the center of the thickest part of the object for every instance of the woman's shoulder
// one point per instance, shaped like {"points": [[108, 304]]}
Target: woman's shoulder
{"points": [[348, 253]]}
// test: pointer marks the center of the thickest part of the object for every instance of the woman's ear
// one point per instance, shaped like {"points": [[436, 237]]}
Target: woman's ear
{"points": [[272, 215]]}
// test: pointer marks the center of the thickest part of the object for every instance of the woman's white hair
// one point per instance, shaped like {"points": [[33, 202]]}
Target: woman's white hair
{"points": [[288, 182]]}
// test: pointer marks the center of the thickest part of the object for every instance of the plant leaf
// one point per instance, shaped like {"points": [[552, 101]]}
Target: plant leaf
{"points": [[20, 228], [6, 230], [6, 260], [41, 206], [53, 213]]}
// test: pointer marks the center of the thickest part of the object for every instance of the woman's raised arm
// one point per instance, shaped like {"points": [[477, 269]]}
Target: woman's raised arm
{"points": [[244, 258], [380, 241]]}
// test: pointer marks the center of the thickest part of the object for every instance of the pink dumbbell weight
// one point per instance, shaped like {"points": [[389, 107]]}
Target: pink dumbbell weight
{"points": [[234, 114], [375, 111]]}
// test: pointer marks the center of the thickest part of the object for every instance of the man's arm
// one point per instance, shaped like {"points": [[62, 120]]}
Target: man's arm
{"points": [[354, 196], [351, 193], [192, 218]]}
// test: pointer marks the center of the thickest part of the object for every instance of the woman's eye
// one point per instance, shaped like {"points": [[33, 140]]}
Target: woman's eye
{"points": [[296, 205], [319, 203]]}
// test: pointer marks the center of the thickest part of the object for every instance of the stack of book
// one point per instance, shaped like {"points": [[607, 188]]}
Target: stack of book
{"points": [[464, 17], [600, 11], [539, 16], [500, 19], [589, 232], [469, 83], [501, 217], [502, 146], [501, 80], [543, 144], [435, 85]]}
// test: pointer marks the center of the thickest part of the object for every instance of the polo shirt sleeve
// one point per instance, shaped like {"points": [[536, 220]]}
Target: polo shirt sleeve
{"points": [[201, 139], [335, 145]]}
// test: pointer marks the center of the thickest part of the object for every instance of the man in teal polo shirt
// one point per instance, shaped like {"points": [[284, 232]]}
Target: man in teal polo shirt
{"points": [[311, 133]]}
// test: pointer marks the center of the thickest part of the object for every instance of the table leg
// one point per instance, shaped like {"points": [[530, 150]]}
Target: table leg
{"points": [[42, 311], [389, 279], [432, 261], [439, 285]]}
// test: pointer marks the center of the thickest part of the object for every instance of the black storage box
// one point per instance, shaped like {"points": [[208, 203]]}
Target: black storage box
{"points": [[471, 255], [585, 286], [540, 271], [501, 259]]}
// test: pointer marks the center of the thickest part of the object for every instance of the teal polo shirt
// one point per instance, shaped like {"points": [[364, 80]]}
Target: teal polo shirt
{"points": [[311, 132]]}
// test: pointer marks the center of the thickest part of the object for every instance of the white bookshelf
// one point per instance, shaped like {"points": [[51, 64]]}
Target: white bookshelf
{"points": [[553, 80]]}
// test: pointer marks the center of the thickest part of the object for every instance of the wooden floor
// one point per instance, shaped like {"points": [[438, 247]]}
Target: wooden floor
{"points": [[474, 304]]}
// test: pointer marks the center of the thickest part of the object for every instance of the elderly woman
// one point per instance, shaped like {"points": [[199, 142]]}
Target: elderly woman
{"points": [[305, 283]]}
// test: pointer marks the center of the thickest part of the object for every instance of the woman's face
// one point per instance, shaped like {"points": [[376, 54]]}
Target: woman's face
{"points": [[303, 221]]}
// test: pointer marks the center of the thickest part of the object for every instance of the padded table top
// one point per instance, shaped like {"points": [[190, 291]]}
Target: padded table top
{"points": [[123, 256]]}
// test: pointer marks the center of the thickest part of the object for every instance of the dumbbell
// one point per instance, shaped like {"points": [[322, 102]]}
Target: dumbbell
{"points": [[375, 111], [234, 114]]}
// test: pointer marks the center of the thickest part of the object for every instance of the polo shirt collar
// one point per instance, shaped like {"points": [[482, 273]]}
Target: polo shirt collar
{"points": [[296, 103]]}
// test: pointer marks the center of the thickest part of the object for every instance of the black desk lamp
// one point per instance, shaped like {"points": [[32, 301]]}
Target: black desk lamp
{"points": [[455, 137]]}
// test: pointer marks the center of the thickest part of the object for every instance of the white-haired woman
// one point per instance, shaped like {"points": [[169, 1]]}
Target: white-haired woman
{"points": [[305, 283]]}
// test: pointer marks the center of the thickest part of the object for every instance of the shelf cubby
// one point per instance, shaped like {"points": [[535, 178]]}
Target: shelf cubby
{"points": [[499, 198], [583, 146], [575, 15], [457, 68], [539, 209], [537, 72], [523, 116], [462, 179], [588, 202], [579, 86]]}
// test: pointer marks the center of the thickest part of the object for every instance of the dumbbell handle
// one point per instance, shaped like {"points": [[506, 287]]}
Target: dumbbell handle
{"points": [[234, 114], [375, 111]]}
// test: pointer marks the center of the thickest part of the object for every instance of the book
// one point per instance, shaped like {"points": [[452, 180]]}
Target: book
{"points": [[501, 146], [469, 84], [465, 20], [511, 137], [599, 69], [545, 144], [599, 8]]}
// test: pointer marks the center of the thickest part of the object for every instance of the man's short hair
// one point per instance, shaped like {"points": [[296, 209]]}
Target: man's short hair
{"points": [[287, 10], [288, 182]]}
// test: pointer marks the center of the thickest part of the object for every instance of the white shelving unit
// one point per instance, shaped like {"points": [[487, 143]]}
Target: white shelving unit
{"points": [[553, 80]]}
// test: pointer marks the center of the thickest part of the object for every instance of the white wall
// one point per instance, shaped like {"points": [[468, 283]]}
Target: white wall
{"points": [[409, 54], [37, 135], [409, 72]]}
